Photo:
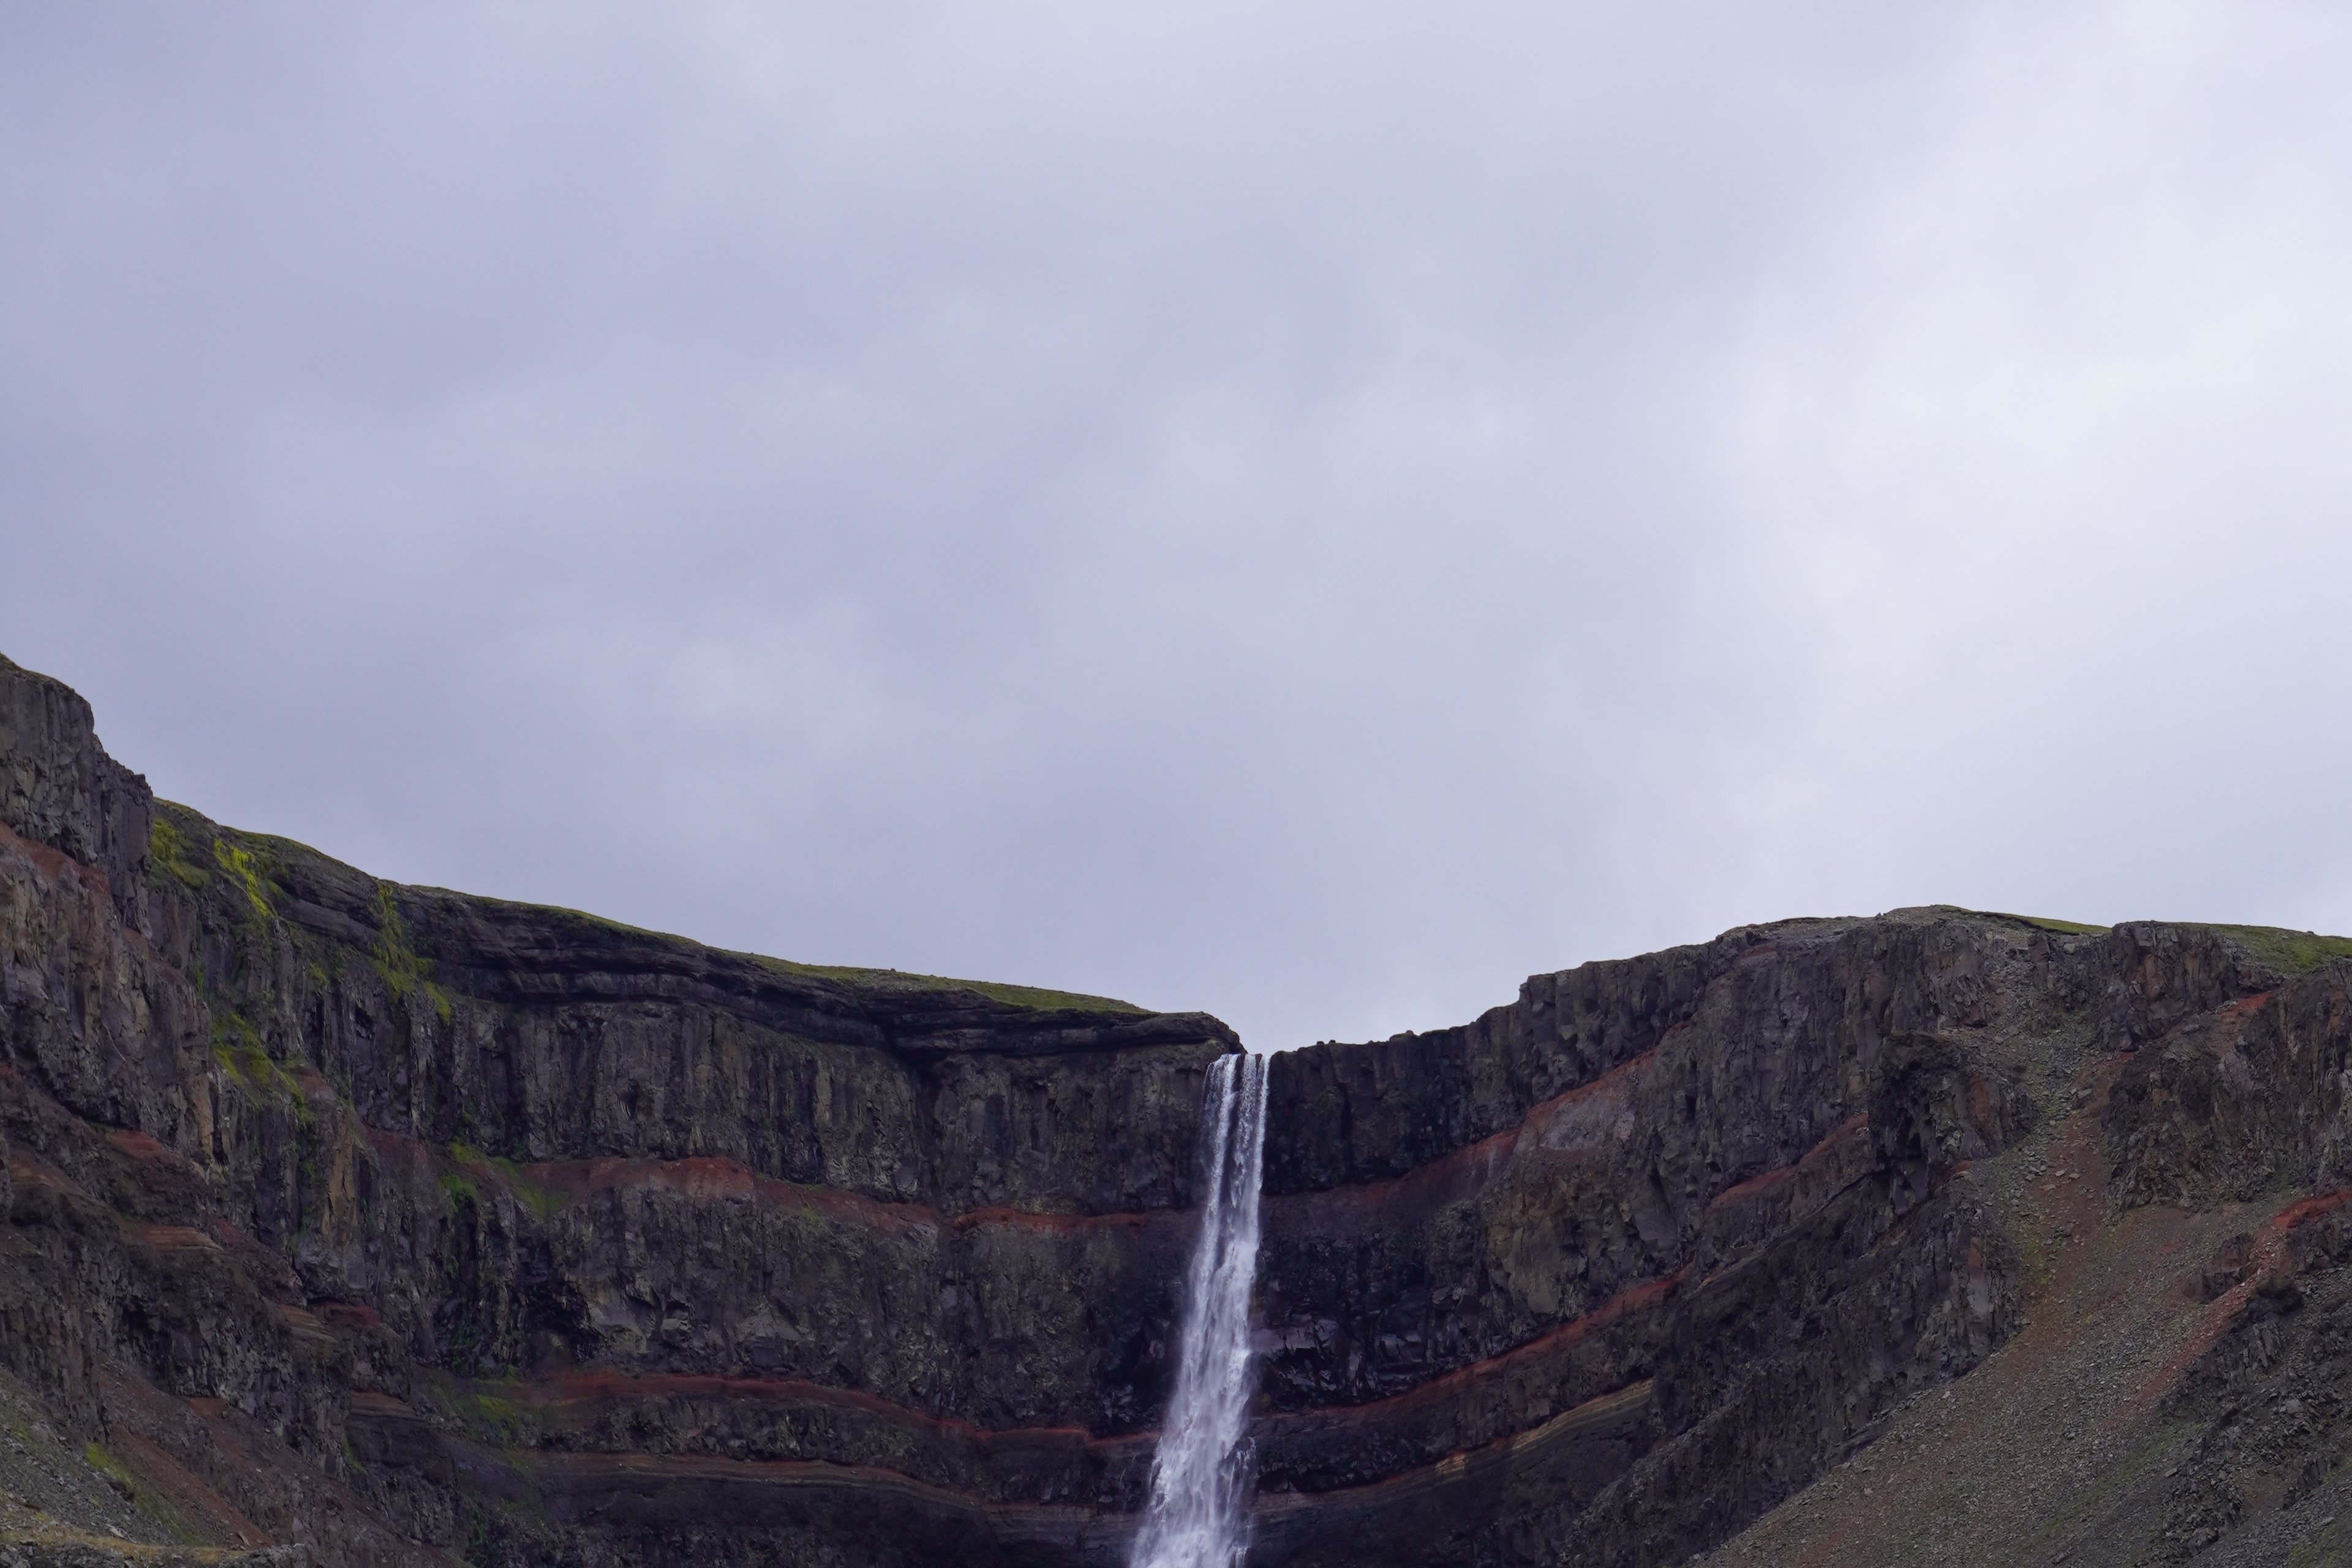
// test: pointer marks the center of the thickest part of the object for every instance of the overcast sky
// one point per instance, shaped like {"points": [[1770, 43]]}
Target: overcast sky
{"points": [[1311, 512]]}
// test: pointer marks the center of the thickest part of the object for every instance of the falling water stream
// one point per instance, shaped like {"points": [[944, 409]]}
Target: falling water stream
{"points": [[1199, 1512]]}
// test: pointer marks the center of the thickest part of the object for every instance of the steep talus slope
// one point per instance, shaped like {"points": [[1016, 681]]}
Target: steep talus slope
{"points": [[423, 1227]]}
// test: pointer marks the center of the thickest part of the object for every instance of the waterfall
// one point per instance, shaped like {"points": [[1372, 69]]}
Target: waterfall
{"points": [[1199, 1512]]}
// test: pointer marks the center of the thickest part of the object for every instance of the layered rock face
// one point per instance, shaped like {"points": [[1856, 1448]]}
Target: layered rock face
{"points": [[421, 1227]]}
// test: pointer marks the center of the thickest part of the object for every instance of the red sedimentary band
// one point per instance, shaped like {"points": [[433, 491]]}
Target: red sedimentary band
{"points": [[722, 1177], [27, 1174], [348, 1314], [56, 866], [172, 1238], [627, 1472], [1471, 1164], [1600, 1408], [1627, 1303], [590, 1388], [53, 864], [1033, 1219], [1542, 1115], [1810, 1157], [1751, 1186], [616, 1480], [138, 1145]]}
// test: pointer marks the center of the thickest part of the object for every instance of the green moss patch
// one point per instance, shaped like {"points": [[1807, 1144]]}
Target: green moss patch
{"points": [[167, 851], [471, 1163], [237, 1048], [245, 871], [498, 1418], [872, 982], [1041, 999], [2288, 952], [2063, 927], [399, 965], [118, 1476], [1036, 998]]}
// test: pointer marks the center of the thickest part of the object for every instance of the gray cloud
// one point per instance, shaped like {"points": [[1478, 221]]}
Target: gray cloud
{"points": [[1312, 515]]}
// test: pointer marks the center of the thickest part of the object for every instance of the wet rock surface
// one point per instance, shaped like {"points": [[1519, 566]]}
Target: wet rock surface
{"points": [[398, 1227]]}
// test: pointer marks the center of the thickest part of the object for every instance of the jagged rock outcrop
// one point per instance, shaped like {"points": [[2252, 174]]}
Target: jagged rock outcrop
{"points": [[423, 1227]]}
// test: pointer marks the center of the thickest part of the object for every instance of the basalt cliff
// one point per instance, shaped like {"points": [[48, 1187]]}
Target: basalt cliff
{"points": [[356, 1223]]}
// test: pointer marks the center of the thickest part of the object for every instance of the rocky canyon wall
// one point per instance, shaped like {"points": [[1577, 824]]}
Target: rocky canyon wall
{"points": [[419, 1227], [453, 1206]]}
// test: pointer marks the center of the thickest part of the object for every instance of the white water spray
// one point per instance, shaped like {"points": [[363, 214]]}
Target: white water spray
{"points": [[1199, 1513]]}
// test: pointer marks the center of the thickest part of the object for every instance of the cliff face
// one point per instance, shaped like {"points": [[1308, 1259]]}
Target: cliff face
{"points": [[421, 1227], [1629, 1259], [393, 1220]]}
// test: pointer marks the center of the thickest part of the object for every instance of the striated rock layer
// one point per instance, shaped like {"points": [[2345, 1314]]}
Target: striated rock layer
{"points": [[417, 1227]]}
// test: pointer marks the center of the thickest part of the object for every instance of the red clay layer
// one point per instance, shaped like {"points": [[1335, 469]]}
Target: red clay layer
{"points": [[589, 1387], [138, 1145], [1811, 1156], [722, 1177], [1626, 1303], [582, 1387], [52, 864], [1476, 1162], [1601, 1406], [610, 1476], [608, 1468]]}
